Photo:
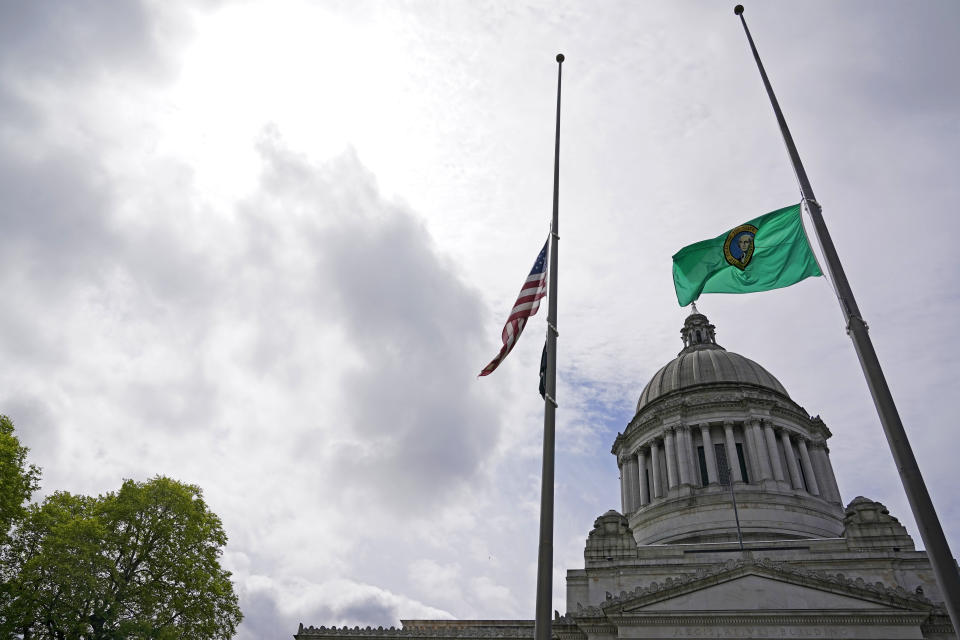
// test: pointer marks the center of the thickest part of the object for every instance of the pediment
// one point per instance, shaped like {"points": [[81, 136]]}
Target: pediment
{"points": [[752, 592], [760, 585]]}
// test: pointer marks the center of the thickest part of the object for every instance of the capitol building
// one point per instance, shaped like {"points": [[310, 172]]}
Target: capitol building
{"points": [[731, 526]]}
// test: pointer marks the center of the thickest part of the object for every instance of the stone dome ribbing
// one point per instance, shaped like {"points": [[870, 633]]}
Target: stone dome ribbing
{"points": [[703, 362]]}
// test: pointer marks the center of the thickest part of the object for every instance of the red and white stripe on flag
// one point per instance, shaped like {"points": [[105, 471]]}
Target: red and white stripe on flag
{"points": [[534, 288]]}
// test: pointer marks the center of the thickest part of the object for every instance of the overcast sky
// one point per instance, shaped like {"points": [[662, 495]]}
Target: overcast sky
{"points": [[266, 247]]}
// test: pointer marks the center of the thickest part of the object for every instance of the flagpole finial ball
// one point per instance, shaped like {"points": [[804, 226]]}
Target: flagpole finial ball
{"points": [[559, 57], [738, 9]]}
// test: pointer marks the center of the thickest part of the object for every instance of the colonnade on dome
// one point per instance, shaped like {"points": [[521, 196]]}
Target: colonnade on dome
{"points": [[752, 451]]}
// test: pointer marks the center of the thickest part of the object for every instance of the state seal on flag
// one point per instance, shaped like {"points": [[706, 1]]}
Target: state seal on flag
{"points": [[738, 247]]}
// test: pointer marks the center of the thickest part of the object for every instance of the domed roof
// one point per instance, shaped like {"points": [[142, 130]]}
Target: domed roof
{"points": [[704, 362]]}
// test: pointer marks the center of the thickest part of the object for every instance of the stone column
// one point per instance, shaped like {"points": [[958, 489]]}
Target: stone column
{"points": [[733, 462], [773, 452], [812, 486], [642, 471], [623, 487], [671, 453], [627, 487], [792, 467], [691, 455], [750, 454], [819, 462], [655, 463], [831, 479], [683, 457], [634, 479], [713, 475], [760, 450]]}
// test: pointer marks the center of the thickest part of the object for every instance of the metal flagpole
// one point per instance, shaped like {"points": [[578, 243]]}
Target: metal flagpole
{"points": [[944, 566], [736, 513], [542, 626]]}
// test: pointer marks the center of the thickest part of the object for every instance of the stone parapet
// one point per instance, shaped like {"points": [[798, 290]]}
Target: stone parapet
{"points": [[430, 629]]}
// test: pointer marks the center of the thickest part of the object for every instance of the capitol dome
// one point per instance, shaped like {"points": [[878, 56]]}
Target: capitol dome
{"points": [[711, 424], [703, 362]]}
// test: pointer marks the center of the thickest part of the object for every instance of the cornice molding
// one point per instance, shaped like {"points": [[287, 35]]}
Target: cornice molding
{"points": [[522, 629], [772, 618]]}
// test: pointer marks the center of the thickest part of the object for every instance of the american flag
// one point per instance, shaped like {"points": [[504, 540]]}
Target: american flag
{"points": [[534, 288]]}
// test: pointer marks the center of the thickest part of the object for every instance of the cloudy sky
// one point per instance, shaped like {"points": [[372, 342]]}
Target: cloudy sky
{"points": [[266, 247]]}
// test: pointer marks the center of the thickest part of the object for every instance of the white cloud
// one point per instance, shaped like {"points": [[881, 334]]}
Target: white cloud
{"points": [[273, 603], [275, 271]]}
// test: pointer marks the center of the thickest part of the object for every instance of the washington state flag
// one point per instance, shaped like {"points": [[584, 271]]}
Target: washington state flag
{"points": [[765, 253]]}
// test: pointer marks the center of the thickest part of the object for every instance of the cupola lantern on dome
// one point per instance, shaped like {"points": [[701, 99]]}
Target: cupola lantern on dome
{"points": [[697, 332]]}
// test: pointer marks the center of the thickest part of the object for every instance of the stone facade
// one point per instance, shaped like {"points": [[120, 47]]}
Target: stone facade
{"points": [[869, 582], [732, 526], [752, 597]]}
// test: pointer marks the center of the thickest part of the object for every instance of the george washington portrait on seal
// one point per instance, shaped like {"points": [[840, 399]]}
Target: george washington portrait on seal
{"points": [[738, 247]]}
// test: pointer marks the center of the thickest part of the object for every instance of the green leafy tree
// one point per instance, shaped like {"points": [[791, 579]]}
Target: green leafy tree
{"points": [[18, 480], [58, 564], [143, 562]]}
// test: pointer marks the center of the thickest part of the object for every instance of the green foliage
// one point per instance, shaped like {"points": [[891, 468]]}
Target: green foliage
{"points": [[18, 481], [56, 556], [142, 562]]}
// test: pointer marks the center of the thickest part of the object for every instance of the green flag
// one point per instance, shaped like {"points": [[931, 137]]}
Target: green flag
{"points": [[766, 253]]}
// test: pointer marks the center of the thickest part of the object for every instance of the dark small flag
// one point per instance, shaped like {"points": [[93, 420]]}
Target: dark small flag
{"points": [[534, 288], [543, 372]]}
